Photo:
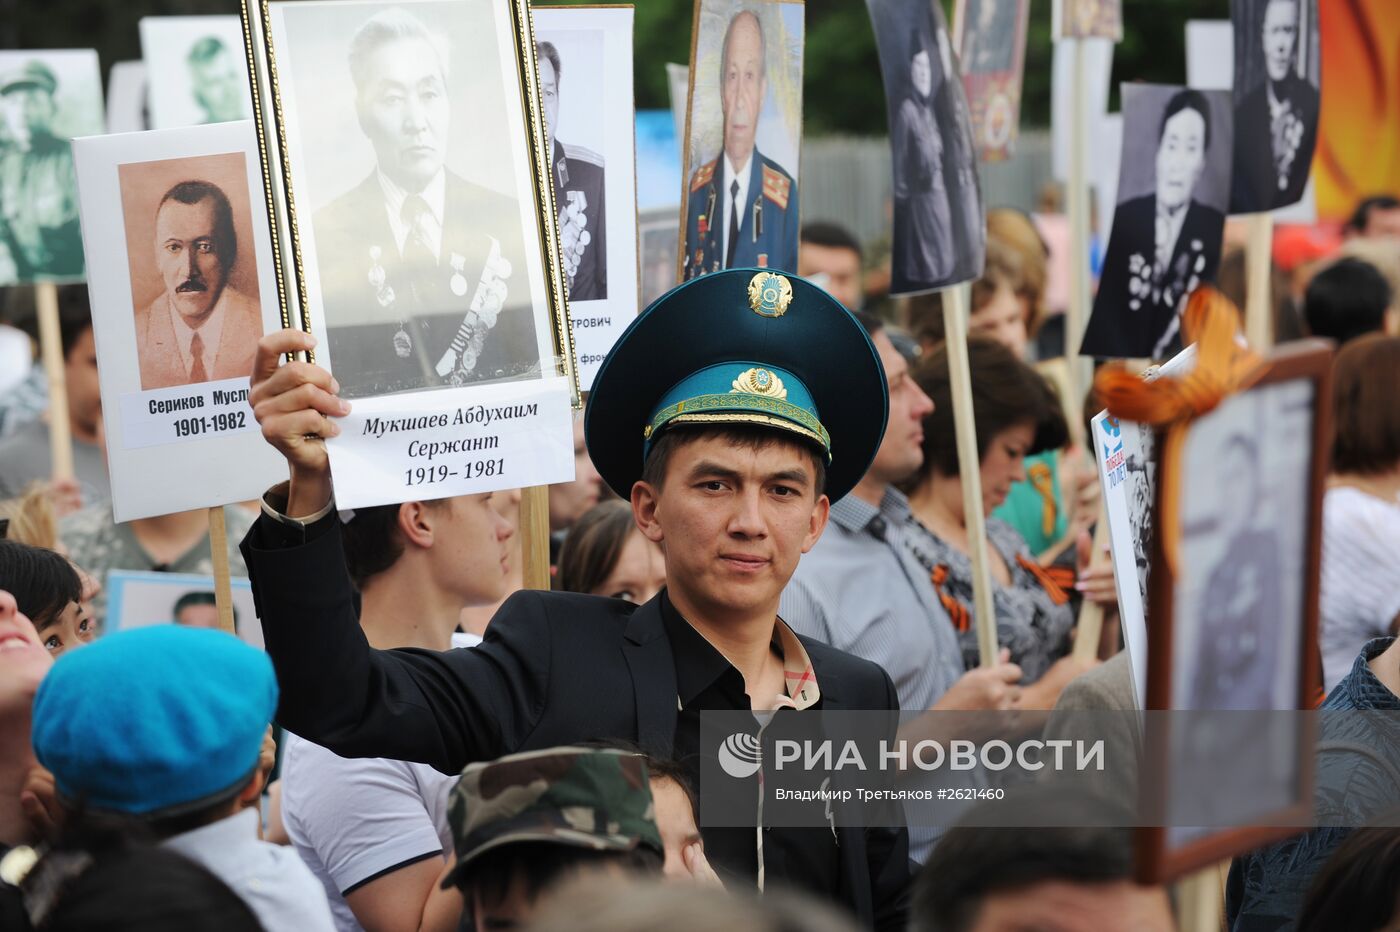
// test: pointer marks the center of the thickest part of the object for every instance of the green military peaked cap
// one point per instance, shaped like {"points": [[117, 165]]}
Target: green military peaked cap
{"points": [[592, 798], [749, 346], [32, 73]]}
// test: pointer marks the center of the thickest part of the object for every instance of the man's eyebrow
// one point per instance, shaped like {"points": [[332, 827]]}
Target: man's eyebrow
{"points": [[790, 475], [710, 468]]}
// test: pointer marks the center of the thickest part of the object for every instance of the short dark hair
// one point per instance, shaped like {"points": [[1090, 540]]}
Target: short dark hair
{"points": [[752, 436], [1361, 216], [1355, 889], [42, 581], [545, 49], [371, 541], [541, 864], [831, 235], [1365, 416], [871, 324], [973, 862], [592, 546], [1005, 392], [1187, 99], [1347, 299], [192, 192], [198, 598]]}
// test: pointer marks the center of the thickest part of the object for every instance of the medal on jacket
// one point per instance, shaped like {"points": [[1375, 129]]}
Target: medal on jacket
{"points": [[402, 342], [757, 217], [490, 297], [459, 280]]}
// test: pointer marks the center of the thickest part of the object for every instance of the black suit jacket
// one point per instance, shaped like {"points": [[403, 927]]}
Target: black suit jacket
{"points": [[1255, 186], [577, 170], [554, 669], [354, 229], [1134, 312]]}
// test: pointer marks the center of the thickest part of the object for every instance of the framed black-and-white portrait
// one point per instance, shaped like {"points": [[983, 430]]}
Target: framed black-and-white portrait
{"points": [[743, 137], [417, 234], [1277, 88], [46, 99], [585, 62], [196, 70], [1234, 617], [1173, 194], [991, 45], [940, 231], [179, 260]]}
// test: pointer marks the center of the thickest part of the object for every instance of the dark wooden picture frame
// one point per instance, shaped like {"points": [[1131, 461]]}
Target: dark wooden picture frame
{"points": [[1158, 860]]}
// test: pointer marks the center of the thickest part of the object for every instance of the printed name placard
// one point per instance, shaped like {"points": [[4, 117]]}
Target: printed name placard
{"points": [[170, 415], [427, 445]]}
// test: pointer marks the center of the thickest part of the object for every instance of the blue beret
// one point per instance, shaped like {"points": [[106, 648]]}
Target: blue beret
{"points": [[154, 721]]}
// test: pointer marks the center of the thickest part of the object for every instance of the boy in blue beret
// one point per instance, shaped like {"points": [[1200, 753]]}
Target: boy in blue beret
{"points": [[730, 413], [162, 727]]}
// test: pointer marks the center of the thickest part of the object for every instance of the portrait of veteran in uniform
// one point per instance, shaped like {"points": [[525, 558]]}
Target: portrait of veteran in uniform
{"points": [[1167, 242], [200, 328], [578, 178], [1276, 114], [428, 266], [741, 207], [38, 191]]}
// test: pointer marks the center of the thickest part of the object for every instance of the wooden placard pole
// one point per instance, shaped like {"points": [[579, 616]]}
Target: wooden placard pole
{"points": [[1089, 629], [51, 350], [955, 312], [1258, 313], [534, 536], [1077, 204], [218, 553]]}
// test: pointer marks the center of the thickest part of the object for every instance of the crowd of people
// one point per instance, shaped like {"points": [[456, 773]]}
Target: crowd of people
{"points": [[425, 745]]}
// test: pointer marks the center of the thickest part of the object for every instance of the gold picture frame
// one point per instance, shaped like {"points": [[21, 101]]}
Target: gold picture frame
{"points": [[286, 216]]}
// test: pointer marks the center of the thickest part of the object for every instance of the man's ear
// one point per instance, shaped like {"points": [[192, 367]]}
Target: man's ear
{"points": [[416, 524], [646, 502], [821, 513]]}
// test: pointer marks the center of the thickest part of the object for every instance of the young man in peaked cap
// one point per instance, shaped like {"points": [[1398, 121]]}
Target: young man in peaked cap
{"points": [[730, 413]]}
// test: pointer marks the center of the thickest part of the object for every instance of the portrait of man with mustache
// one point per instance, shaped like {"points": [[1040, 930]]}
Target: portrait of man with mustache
{"points": [[200, 328]]}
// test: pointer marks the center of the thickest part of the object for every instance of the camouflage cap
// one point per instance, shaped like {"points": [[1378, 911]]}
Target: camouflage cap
{"points": [[32, 73], [593, 798]]}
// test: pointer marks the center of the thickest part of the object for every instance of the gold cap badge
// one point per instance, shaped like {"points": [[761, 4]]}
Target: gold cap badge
{"points": [[770, 294], [759, 382]]}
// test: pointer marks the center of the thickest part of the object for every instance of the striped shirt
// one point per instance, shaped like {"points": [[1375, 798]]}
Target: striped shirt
{"points": [[1360, 576]]}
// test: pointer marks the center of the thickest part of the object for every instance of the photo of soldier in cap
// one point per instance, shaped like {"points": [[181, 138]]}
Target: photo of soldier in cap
{"points": [[46, 98], [741, 205], [577, 174], [194, 290], [417, 269], [196, 69]]}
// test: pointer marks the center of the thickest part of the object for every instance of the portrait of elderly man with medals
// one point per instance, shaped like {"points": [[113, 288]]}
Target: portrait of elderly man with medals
{"points": [[1165, 243], [741, 206], [1276, 112], [433, 261]]}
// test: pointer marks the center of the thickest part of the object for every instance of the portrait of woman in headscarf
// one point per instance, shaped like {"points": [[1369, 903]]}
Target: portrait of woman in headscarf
{"points": [[922, 216]]}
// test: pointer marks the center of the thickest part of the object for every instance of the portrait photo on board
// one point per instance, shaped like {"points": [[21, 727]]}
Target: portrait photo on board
{"points": [[410, 174], [197, 72], [992, 50], [744, 137], [940, 232], [1173, 194], [194, 291], [46, 99], [1087, 19], [139, 599], [1276, 92]]}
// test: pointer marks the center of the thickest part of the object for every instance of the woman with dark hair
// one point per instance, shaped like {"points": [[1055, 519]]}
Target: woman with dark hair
{"points": [[922, 213], [49, 590], [605, 554], [1017, 414]]}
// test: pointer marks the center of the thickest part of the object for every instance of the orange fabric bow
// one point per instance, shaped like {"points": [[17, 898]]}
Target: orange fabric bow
{"points": [[1222, 367]]}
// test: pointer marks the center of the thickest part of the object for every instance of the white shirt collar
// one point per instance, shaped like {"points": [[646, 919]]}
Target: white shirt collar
{"points": [[731, 174], [209, 334], [435, 193]]}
